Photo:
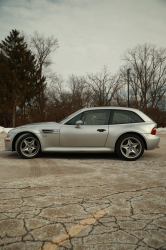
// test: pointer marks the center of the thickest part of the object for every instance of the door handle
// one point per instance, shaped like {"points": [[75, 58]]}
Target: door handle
{"points": [[101, 130]]}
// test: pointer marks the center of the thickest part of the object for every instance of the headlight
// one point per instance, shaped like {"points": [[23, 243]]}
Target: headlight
{"points": [[11, 132], [8, 134]]}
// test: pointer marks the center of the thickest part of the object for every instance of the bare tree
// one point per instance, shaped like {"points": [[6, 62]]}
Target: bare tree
{"points": [[148, 75], [58, 85], [104, 87], [77, 87], [66, 98], [58, 103], [43, 48]]}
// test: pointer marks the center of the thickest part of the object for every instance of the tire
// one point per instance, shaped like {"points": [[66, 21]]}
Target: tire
{"points": [[27, 146], [130, 147]]}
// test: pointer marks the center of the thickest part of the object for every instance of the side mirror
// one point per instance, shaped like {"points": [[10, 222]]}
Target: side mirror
{"points": [[78, 123]]}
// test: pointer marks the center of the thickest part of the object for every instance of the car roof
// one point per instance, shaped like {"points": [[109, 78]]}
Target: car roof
{"points": [[140, 113], [121, 108]]}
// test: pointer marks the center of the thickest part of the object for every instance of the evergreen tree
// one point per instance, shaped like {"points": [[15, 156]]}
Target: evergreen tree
{"points": [[23, 78], [5, 100]]}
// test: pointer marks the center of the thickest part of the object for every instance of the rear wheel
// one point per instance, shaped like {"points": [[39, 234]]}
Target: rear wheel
{"points": [[130, 147], [28, 146]]}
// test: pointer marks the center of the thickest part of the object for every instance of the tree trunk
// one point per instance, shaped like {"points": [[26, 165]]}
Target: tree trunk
{"points": [[24, 113], [14, 115], [4, 121]]}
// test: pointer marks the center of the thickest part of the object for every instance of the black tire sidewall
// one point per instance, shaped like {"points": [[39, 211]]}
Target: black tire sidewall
{"points": [[120, 141], [18, 144]]}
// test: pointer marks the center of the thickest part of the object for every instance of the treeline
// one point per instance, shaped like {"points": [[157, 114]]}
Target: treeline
{"points": [[31, 92]]}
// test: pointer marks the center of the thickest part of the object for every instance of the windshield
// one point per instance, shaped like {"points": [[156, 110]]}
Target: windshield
{"points": [[65, 119]]}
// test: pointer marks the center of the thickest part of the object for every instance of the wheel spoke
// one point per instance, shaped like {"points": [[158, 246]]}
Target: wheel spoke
{"points": [[30, 151], [129, 142], [127, 152], [134, 150], [33, 149], [27, 143], [135, 145], [32, 142], [125, 147], [25, 149]]}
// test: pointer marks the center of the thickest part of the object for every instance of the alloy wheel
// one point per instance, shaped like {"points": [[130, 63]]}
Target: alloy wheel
{"points": [[130, 147], [29, 147]]}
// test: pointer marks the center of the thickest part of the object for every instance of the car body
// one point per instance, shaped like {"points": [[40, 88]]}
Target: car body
{"points": [[96, 129]]}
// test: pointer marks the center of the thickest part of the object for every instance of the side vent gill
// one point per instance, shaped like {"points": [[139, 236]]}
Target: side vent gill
{"points": [[49, 131]]}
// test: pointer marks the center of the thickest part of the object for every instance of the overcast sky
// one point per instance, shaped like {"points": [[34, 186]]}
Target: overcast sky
{"points": [[91, 33]]}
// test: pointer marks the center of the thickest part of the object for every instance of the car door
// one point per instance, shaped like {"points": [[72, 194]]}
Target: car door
{"points": [[92, 133]]}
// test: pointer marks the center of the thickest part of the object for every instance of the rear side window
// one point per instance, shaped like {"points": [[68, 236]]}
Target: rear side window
{"points": [[124, 116]]}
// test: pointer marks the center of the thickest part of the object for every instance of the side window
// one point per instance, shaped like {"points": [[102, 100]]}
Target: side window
{"points": [[74, 120], [96, 117], [124, 116]]}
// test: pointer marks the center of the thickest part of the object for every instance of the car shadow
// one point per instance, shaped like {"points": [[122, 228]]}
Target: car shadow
{"points": [[74, 156], [69, 156], [147, 156]]}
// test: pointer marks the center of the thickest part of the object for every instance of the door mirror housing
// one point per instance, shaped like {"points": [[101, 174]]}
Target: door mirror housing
{"points": [[78, 123]]}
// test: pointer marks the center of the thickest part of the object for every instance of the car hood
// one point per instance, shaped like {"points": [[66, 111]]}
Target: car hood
{"points": [[39, 123], [37, 127]]}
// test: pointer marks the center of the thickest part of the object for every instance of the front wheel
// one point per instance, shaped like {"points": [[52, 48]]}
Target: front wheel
{"points": [[130, 147], [28, 146]]}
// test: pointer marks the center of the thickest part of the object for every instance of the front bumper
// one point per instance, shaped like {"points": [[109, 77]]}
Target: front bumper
{"points": [[8, 143], [152, 141]]}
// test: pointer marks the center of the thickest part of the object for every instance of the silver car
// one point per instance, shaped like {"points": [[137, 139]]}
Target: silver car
{"points": [[126, 131]]}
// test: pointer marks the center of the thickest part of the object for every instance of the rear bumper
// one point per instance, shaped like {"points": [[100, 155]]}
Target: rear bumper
{"points": [[152, 141]]}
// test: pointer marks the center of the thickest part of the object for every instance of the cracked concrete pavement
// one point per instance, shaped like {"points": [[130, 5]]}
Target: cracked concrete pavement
{"points": [[42, 198]]}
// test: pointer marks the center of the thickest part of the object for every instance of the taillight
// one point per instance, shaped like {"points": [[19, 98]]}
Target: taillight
{"points": [[153, 132]]}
